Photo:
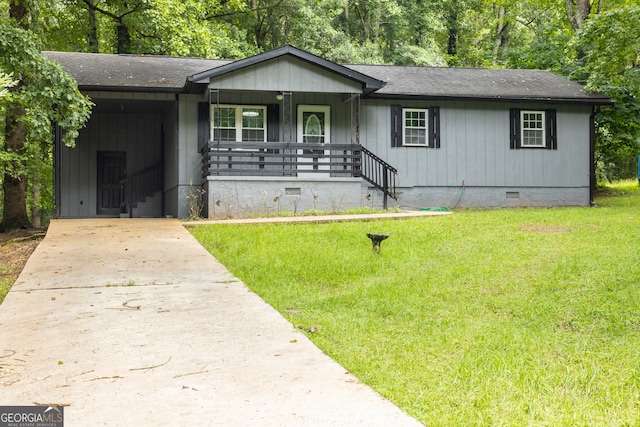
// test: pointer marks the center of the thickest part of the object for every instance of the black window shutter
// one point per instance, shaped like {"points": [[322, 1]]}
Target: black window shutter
{"points": [[204, 131], [551, 135], [514, 128], [434, 127], [273, 125], [396, 126], [273, 122]]}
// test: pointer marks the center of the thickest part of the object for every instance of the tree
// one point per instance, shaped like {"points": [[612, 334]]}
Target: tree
{"points": [[611, 65], [159, 27], [43, 95], [578, 11]]}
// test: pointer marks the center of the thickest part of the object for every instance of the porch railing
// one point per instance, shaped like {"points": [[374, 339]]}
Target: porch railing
{"points": [[280, 159], [140, 185], [380, 174], [299, 159]]}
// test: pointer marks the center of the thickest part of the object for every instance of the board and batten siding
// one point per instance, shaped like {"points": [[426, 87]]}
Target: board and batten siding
{"points": [[136, 134], [285, 74], [188, 159], [475, 147]]}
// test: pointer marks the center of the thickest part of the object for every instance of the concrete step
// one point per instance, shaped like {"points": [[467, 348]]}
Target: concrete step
{"points": [[151, 207]]}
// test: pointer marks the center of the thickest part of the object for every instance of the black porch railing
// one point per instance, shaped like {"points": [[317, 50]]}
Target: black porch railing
{"points": [[380, 174], [298, 159], [280, 159], [140, 185]]}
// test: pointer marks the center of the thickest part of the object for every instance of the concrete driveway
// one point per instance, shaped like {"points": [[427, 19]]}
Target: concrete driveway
{"points": [[131, 322]]}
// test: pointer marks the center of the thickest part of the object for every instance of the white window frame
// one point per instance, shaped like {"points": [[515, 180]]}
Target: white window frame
{"points": [[239, 109], [425, 128], [542, 130]]}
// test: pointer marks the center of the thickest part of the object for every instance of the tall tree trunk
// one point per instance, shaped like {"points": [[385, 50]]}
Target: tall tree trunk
{"points": [[501, 39], [14, 211], [452, 23], [346, 18], [92, 30], [19, 11], [578, 12], [124, 38]]}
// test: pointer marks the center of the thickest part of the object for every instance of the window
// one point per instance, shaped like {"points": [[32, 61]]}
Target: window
{"points": [[533, 129], [415, 127], [234, 123]]}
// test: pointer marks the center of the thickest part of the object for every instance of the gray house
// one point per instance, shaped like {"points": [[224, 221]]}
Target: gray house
{"points": [[287, 130]]}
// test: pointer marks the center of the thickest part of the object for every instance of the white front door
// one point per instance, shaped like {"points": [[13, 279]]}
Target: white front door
{"points": [[314, 123]]}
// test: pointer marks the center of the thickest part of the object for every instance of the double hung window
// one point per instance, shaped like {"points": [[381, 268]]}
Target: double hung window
{"points": [[533, 129], [415, 127], [238, 123]]}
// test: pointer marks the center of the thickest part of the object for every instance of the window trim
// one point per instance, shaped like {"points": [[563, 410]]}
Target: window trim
{"points": [[543, 129], [425, 127], [238, 121]]}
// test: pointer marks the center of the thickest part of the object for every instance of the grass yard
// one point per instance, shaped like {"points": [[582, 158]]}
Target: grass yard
{"points": [[506, 317]]}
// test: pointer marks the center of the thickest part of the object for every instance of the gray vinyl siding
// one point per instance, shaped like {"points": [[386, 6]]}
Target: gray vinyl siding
{"points": [[136, 134], [171, 162], [475, 147], [286, 74], [189, 161]]}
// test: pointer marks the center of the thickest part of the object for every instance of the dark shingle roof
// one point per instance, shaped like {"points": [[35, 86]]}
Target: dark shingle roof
{"points": [[477, 83], [95, 71], [115, 72]]}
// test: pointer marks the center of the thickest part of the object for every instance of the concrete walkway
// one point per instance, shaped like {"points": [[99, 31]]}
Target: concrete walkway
{"points": [[133, 323]]}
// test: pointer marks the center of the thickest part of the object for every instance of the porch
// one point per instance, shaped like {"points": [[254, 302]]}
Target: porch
{"points": [[268, 178]]}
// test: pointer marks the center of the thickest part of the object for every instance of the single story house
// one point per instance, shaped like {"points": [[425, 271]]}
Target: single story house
{"points": [[288, 130]]}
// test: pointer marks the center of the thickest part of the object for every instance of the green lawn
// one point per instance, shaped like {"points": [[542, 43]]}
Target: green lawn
{"points": [[505, 317]]}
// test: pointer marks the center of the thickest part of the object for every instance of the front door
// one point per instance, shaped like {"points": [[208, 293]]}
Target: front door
{"points": [[112, 166], [314, 123]]}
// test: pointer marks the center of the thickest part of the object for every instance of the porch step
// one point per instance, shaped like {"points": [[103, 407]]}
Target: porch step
{"points": [[150, 207]]}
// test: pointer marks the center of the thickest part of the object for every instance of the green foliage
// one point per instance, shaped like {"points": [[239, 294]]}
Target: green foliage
{"points": [[6, 82], [163, 27], [612, 66], [48, 94], [496, 317]]}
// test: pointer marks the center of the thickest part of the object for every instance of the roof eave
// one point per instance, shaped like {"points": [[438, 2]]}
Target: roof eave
{"points": [[102, 88], [514, 99], [188, 88]]}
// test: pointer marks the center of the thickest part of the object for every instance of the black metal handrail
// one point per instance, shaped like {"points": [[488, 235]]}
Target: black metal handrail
{"points": [[140, 185], [380, 174]]}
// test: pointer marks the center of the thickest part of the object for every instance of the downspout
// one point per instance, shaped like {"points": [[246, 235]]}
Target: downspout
{"points": [[592, 155]]}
